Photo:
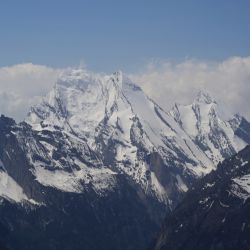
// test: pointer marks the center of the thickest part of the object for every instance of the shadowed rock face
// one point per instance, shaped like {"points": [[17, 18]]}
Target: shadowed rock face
{"points": [[243, 131], [215, 212], [166, 174], [13, 158]]}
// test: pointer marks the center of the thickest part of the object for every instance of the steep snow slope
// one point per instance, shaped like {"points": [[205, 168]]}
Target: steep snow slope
{"points": [[9, 189]]}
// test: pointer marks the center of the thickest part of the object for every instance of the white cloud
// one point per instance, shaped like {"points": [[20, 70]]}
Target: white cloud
{"points": [[228, 81], [22, 85]]}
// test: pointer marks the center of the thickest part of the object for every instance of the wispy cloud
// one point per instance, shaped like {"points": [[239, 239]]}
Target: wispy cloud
{"points": [[22, 85]]}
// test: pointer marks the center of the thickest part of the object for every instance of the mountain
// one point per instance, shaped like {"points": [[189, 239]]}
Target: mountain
{"points": [[212, 127], [98, 164], [132, 135], [214, 213]]}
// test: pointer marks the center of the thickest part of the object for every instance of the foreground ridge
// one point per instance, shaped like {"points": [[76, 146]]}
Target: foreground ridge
{"points": [[214, 214]]}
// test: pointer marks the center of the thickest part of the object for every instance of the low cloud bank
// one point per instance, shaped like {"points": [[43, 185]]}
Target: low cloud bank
{"points": [[22, 86]]}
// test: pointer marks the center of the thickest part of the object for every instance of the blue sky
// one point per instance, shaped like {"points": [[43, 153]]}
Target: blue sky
{"points": [[110, 35]]}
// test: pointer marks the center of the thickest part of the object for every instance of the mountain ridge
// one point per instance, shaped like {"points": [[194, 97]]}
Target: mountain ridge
{"points": [[113, 115]]}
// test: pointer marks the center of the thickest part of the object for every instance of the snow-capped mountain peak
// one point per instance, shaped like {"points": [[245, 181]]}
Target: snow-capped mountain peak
{"points": [[81, 100], [204, 97], [210, 124]]}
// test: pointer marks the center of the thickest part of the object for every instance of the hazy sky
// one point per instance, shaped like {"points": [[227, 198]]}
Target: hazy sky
{"points": [[172, 48], [118, 34]]}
